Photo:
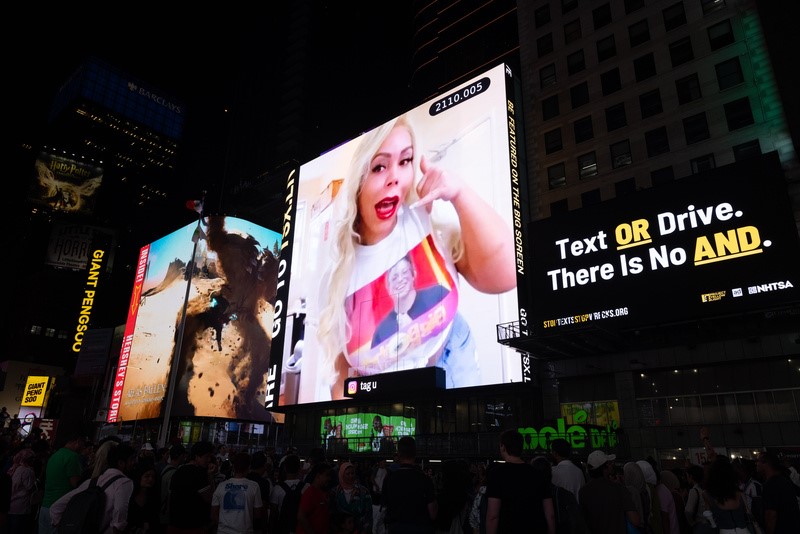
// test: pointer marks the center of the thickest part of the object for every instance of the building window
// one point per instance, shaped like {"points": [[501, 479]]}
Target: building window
{"points": [[625, 187], [674, 16], [695, 128], [610, 81], [650, 103], [542, 15], [556, 176], [583, 129], [559, 206], [547, 75], [587, 165], [681, 51], [662, 176], [738, 114], [550, 107], [720, 34], [644, 67], [639, 33], [579, 95], [703, 163], [729, 73], [575, 62], [656, 141], [36, 330], [544, 44], [606, 48], [620, 154], [688, 88], [572, 31], [590, 197], [709, 6], [568, 5], [615, 117], [633, 5], [601, 16], [747, 150], [552, 141]]}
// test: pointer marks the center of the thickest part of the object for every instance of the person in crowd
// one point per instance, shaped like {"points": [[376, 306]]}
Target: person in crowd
{"points": [[118, 493], [633, 480], [726, 501], [697, 500], [177, 456], [352, 498], [377, 476], [190, 492], [781, 511], [162, 459], [289, 478], [606, 505], [314, 514], [477, 513], [408, 494], [23, 486], [382, 214], [517, 493], [566, 474], [236, 505], [677, 516], [568, 515], [260, 467], [454, 497], [62, 475], [659, 520], [144, 504]]}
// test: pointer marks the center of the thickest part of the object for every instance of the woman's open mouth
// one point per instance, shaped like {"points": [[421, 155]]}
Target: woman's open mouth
{"points": [[387, 207]]}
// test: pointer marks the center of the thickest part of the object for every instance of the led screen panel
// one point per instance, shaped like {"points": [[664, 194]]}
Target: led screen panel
{"points": [[402, 248], [710, 245], [64, 184], [365, 432], [222, 349]]}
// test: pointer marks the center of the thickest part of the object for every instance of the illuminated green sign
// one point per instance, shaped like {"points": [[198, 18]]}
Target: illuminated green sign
{"points": [[579, 436]]}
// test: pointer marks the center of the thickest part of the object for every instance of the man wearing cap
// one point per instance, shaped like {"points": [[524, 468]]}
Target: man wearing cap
{"points": [[605, 504]]}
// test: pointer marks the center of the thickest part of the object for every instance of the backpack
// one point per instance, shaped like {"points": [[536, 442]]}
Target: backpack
{"points": [[85, 510], [287, 518]]}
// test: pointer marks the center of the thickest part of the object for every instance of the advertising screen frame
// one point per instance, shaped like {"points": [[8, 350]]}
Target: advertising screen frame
{"points": [[476, 129], [717, 244]]}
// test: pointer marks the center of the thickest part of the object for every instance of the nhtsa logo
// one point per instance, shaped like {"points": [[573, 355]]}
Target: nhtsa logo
{"points": [[766, 288]]}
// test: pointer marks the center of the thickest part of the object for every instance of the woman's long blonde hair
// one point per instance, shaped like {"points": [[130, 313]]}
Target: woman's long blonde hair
{"points": [[334, 329]]}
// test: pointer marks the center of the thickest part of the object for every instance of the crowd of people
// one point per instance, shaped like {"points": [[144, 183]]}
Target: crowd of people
{"points": [[206, 489]]}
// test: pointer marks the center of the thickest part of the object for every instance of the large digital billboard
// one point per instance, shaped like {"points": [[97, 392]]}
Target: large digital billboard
{"points": [[222, 349], [402, 248], [64, 184], [711, 245], [365, 432]]}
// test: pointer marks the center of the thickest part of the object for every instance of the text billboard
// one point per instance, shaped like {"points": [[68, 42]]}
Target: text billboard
{"points": [[223, 352], [402, 248], [710, 245]]}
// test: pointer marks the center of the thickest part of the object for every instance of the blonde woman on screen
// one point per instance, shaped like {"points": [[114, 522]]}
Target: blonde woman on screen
{"points": [[382, 216]]}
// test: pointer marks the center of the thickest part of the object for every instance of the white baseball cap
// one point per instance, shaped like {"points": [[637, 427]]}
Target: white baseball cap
{"points": [[599, 459]]}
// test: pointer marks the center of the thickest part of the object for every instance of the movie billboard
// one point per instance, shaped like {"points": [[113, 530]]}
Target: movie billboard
{"points": [[365, 432], [70, 244], [402, 248], [66, 185], [710, 245], [222, 348]]}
